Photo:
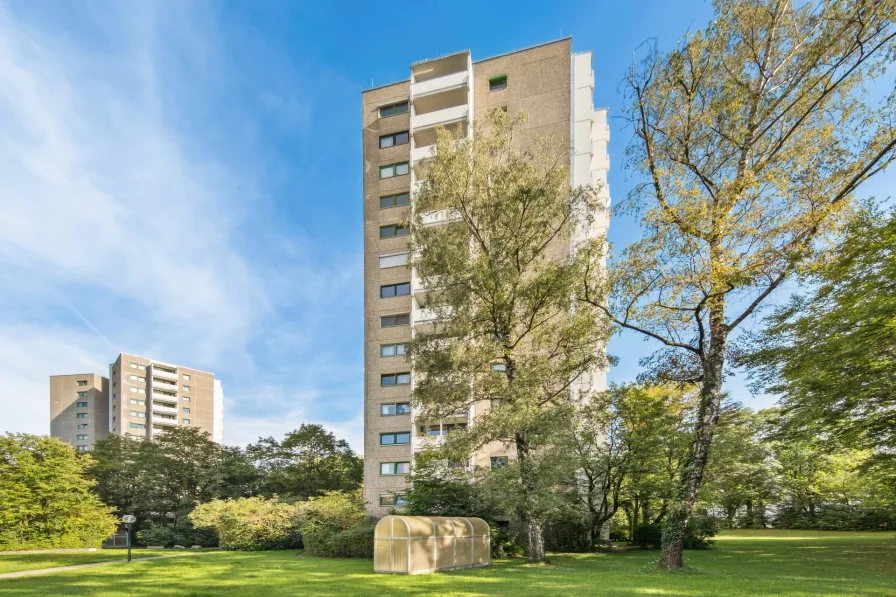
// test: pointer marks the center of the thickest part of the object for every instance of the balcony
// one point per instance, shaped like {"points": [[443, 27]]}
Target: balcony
{"points": [[439, 84], [427, 442], [164, 408], [443, 116], [437, 217], [162, 384], [427, 152], [425, 320], [156, 372], [164, 422]]}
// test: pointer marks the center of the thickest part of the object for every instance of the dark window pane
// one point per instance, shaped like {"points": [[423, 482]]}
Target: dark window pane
{"points": [[401, 231], [403, 289], [403, 408], [386, 141], [387, 231], [387, 291], [402, 199], [401, 108], [387, 380], [403, 438], [401, 138], [387, 201], [402, 320], [387, 439]]}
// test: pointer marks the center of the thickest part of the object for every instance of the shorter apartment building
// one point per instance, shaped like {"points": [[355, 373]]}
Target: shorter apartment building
{"points": [[79, 409], [142, 397]]}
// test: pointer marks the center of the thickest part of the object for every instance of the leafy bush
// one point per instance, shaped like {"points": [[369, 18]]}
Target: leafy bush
{"points": [[647, 535], [336, 525], [352, 543], [701, 528], [836, 517], [250, 524], [163, 536]]}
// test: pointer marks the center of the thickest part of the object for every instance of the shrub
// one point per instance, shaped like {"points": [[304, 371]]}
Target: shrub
{"points": [[836, 517], [336, 525], [250, 524], [163, 536], [647, 535], [701, 528], [352, 543]]}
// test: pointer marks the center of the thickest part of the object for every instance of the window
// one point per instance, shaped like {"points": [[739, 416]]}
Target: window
{"points": [[165, 369], [396, 200], [82, 425], [393, 350], [497, 83], [395, 408], [395, 468], [82, 394], [395, 379], [186, 410], [138, 426], [82, 448], [445, 429], [498, 462], [392, 499], [81, 404], [397, 169], [138, 378], [81, 415], [394, 260], [164, 393], [394, 139], [186, 421], [393, 109], [186, 398], [186, 377], [390, 321], [393, 230], [390, 290], [186, 388], [82, 382], [138, 366], [138, 414], [138, 402], [394, 439], [499, 367], [82, 437]]}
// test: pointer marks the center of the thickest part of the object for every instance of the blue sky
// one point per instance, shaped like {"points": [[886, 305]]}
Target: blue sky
{"points": [[183, 180]]}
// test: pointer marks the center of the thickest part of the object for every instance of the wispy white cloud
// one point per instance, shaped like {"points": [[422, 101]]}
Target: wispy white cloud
{"points": [[133, 222]]}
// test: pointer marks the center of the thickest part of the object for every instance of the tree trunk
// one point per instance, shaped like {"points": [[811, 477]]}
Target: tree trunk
{"points": [[707, 417], [530, 511]]}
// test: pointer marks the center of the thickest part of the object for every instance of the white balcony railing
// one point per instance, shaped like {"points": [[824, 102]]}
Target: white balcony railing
{"points": [[427, 442], [437, 217], [164, 422], [423, 153], [443, 83], [164, 408], [164, 385], [162, 373], [444, 116]]}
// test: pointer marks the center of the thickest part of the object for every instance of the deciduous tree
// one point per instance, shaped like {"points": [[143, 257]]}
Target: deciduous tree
{"points": [[752, 136]]}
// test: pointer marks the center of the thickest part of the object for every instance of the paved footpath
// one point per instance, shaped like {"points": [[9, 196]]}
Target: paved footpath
{"points": [[79, 566]]}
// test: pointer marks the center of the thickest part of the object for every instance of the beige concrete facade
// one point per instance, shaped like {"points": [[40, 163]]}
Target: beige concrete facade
{"points": [[143, 397], [449, 91], [79, 409]]}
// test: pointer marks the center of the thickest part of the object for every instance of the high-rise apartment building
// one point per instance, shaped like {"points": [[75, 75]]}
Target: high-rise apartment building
{"points": [[141, 397], [554, 87]]}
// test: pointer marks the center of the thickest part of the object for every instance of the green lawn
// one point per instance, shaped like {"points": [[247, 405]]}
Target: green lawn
{"points": [[743, 563], [35, 561]]}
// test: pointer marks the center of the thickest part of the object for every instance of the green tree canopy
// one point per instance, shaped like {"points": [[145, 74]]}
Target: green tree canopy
{"points": [[45, 498], [831, 354]]}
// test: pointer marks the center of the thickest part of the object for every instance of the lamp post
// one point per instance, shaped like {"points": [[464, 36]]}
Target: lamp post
{"points": [[128, 520]]}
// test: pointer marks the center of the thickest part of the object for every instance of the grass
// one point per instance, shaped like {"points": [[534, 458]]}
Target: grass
{"points": [[743, 563], [36, 561]]}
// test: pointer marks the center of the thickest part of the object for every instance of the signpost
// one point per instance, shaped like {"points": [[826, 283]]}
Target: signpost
{"points": [[128, 520]]}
